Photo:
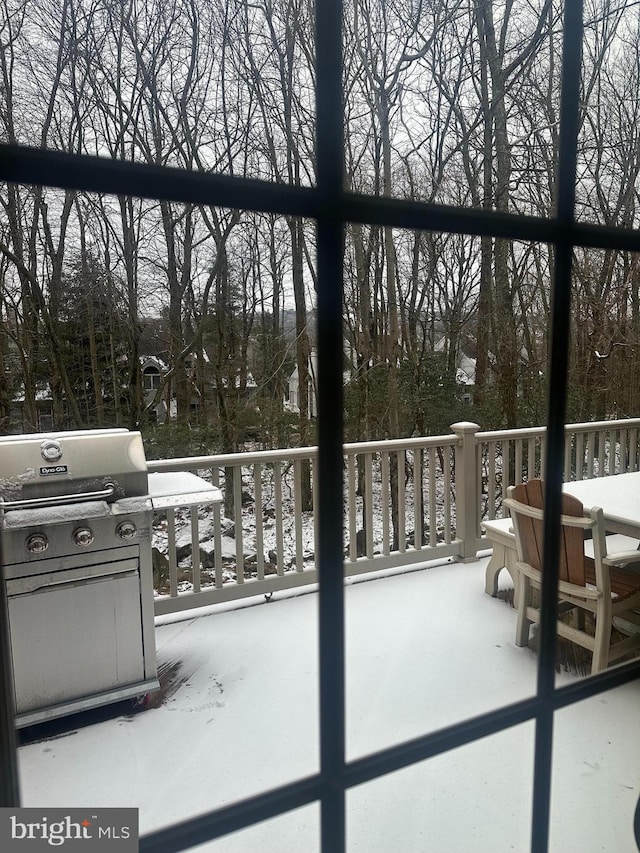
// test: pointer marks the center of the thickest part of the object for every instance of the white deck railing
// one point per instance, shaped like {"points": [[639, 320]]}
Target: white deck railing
{"points": [[406, 502]]}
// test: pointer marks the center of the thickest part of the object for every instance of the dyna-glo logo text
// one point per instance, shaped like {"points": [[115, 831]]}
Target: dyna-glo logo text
{"points": [[72, 829], [53, 469]]}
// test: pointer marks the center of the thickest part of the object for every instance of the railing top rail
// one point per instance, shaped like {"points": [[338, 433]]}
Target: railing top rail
{"points": [[533, 432], [620, 423], [401, 443], [230, 459], [291, 453], [510, 434]]}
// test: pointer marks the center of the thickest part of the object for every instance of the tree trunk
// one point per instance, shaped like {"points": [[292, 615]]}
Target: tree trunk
{"points": [[303, 352]]}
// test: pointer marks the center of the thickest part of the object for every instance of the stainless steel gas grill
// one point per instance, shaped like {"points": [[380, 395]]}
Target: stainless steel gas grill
{"points": [[76, 547]]}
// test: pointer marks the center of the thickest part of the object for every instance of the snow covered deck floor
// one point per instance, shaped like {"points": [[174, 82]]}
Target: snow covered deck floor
{"points": [[238, 714]]}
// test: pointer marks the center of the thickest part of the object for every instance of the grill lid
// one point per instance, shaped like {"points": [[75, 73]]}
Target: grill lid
{"points": [[43, 469]]}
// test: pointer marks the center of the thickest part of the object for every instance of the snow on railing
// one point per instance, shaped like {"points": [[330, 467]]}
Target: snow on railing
{"points": [[407, 501]]}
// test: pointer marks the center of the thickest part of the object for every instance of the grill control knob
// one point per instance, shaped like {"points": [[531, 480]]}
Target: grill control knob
{"points": [[82, 536], [37, 543], [126, 530]]}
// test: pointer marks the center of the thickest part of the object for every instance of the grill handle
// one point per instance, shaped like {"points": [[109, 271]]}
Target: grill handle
{"points": [[56, 500]]}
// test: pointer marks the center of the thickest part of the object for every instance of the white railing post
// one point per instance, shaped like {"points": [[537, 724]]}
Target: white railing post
{"points": [[467, 490]]}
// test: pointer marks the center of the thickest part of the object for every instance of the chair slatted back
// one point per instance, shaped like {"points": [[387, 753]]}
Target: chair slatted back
{"points": [[572, 560]]}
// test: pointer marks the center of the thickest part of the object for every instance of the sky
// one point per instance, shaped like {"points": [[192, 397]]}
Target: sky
{"points": [[238, 714]]}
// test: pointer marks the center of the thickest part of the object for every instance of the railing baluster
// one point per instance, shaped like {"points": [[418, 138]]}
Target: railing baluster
{"points": [[447, 494], [505, 468], [237, 514], [591, 446], [531, 459], [277, 482], [402, 533], [217, 531], [314, 491], [352, 507], [257, 485], [519, 466], [433, 515], [580, 456], [613, 451], [368, 499], [567, 457], [297, 512], [195, 548], [601, 453], [491, 485], [171, 546], [417, 498], [384, 502]]}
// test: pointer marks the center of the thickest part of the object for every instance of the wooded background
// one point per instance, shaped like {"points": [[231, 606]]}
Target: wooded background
{"points": [[449, 101]]}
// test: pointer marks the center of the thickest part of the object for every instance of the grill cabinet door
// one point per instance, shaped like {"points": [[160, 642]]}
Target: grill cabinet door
{"points": [[76, 637]]}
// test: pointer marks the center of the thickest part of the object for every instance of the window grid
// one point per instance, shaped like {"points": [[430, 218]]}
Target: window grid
{"points": [[331, 207]]}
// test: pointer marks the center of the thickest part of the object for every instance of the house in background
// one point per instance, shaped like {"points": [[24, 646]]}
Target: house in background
{"points": [[19, 421], [153, 369], [465, 375], [203, 386], [465, 366], [292, 393]]}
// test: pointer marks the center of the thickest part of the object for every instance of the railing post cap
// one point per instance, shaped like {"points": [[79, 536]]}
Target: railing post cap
{"points": [[465, 427]]}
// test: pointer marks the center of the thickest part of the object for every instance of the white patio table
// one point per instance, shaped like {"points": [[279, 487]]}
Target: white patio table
{"points": [[618, 496]]}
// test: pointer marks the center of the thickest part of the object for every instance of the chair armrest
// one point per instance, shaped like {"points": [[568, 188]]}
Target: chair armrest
{"points": [[621, 558], [564, 587]]}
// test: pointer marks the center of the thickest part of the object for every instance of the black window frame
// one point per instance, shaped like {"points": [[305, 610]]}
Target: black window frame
{"points": [[331, 207]]}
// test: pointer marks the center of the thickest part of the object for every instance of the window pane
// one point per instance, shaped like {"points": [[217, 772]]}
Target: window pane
{"points": [[414, 640], [608, 148], [215, 309], [454, 103], [604, 338], [216, 86], [445, 336], [127, 311], [236, 713], [594, 790], [477, 797]]}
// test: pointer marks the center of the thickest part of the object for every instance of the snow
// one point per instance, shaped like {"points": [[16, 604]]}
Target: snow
{"points": [[425, 649], [19, 518], [180, 488]]}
